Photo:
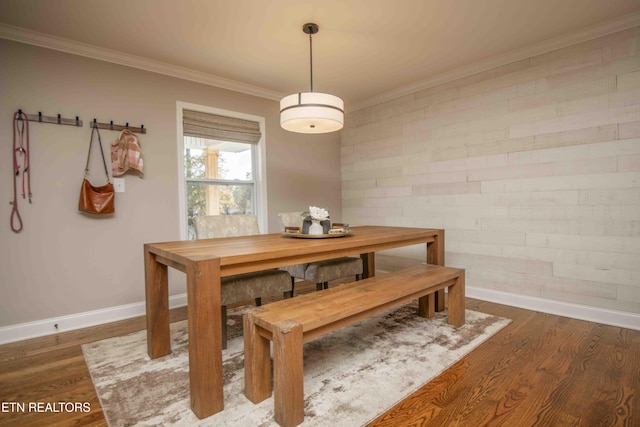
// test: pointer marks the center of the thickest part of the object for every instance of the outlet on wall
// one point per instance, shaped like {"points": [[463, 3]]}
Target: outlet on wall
{"points": [[118, 185]]}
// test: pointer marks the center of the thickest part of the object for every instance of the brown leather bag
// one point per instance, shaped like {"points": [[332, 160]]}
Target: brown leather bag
{"points": [[96, 200]]}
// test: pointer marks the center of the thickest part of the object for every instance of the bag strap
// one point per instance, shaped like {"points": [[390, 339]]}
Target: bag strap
{"points": [[104, 162]]}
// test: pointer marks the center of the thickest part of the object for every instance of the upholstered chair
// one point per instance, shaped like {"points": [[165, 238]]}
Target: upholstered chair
{"points": [[246, 286], [319, 272]]}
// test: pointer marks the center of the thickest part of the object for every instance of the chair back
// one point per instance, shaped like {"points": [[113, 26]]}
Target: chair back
{"points": [[290, 219], [213, 226]]}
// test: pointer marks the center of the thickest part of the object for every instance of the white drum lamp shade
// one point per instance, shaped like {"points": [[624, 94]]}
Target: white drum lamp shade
{"points": [[311, 112]]}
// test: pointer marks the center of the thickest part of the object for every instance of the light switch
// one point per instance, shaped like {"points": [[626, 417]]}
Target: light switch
{"points": [[118, 185]]}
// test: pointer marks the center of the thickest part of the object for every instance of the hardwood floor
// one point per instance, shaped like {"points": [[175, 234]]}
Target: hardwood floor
{"points": [[541, 370]]}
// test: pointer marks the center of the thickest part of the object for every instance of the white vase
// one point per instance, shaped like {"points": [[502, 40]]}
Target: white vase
{"points": [[315, 228]]}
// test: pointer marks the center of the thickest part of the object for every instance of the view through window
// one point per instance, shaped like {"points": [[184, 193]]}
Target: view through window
{"points": [[220, 178]]}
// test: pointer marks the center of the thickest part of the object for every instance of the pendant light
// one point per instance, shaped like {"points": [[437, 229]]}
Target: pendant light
{"points": [[311, 112]]}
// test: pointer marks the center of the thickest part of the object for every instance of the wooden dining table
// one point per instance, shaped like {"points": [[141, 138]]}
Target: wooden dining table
{"points": [[205, 261]]}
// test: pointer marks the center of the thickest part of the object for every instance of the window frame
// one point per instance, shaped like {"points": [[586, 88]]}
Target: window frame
{"points": [[259, 165]]}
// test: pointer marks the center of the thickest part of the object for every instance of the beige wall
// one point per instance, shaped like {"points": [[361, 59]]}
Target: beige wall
{"points": [[533, 169], [64, 263]]}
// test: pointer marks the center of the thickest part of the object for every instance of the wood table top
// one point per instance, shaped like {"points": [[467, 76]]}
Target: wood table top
{"points": [[277, 250]]}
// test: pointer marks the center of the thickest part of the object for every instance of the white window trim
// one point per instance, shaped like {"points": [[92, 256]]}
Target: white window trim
{"points": [[260, 163]]}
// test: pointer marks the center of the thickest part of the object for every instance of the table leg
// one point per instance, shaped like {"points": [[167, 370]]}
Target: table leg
{"points": [[157, 303], [205, 337], [435, 255], [426, 305], [368, 264]]}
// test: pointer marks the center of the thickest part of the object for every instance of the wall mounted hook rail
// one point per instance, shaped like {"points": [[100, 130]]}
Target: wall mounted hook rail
{"points": [[57, 120], [111, 126]]}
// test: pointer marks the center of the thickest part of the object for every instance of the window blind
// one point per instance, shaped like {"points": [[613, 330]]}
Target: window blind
{"points": [[212, 126]]}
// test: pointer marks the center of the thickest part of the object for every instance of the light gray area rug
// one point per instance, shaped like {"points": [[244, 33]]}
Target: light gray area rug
{"points": [[350, 376]]}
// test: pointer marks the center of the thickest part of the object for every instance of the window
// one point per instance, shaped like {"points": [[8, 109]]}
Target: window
{"points": [[220, 159]]}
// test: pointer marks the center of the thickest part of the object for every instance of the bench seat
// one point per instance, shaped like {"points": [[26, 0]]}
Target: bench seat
{"points": [[289, 323]]}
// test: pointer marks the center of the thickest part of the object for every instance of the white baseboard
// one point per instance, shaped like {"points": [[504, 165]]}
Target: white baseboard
{"points": [[559, 308], [55, 325], [40, 328]]}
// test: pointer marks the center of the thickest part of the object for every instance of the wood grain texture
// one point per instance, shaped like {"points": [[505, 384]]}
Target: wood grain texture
{"points": [[205, 347], [244, 254], [540, 370], [206, 261], [288, 383], [291, 322], [509, 380], [257, 379], [535, 162], [320, 313]]}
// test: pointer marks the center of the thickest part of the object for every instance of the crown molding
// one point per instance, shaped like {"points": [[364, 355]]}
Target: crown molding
{"points": [[609, 27], [35, 38], [77, 48]]}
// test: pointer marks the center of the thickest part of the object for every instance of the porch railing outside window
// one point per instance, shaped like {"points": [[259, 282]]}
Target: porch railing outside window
{"points": [[220, 165]]}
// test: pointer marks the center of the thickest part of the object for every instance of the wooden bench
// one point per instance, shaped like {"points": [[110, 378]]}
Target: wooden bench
{"points": [[291, 322]]}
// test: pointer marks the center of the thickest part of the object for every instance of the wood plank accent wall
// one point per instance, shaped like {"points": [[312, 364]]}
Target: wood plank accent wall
{"points": [[532, 168]]}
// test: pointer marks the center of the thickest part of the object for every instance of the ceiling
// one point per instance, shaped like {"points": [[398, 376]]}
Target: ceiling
{"points": [[366, 50]]}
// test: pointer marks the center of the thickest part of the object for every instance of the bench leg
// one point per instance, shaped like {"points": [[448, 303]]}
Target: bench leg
{"points": [[288, 394], [257, 363], [427, 306], [439, 303], [455, 315]]}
